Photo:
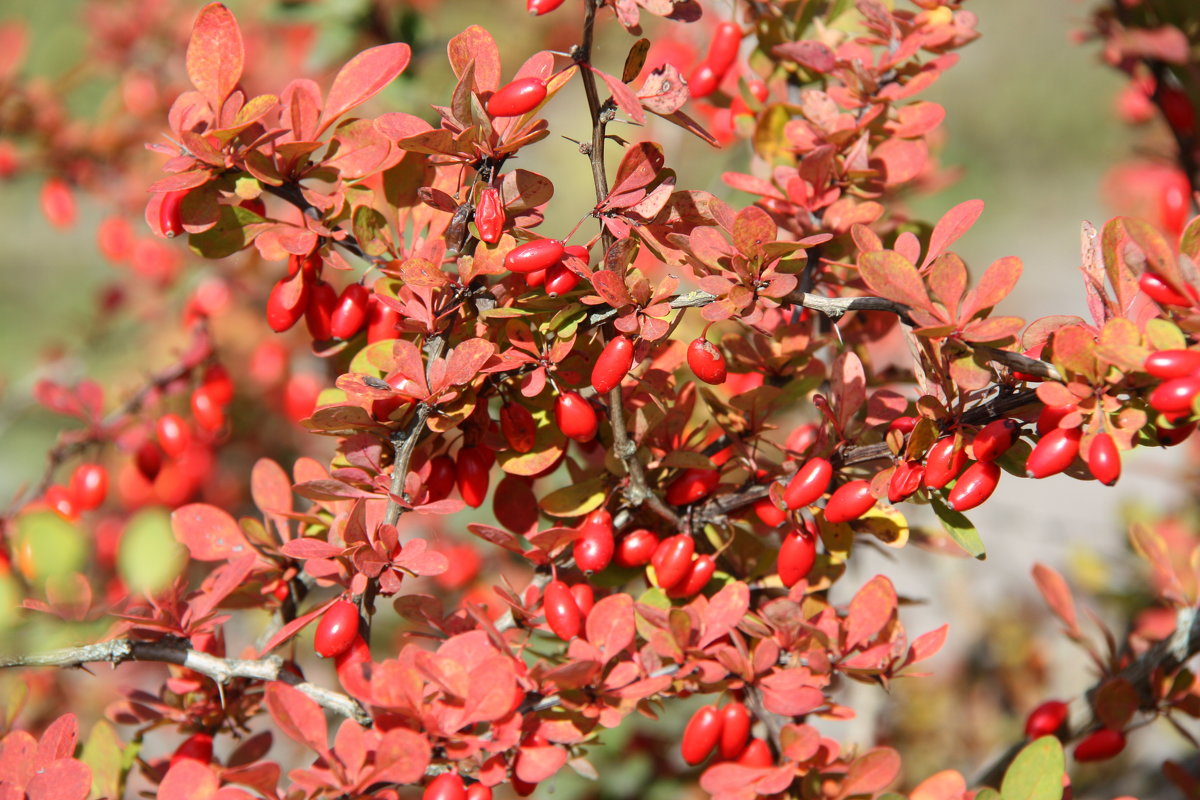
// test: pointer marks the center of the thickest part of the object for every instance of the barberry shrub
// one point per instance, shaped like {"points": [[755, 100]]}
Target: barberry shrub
{"points": [[457, 477]]}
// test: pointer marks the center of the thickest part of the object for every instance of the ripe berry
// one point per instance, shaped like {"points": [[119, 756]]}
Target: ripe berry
{"points": [[489, 215], [336, 630], [594, 547], [903, 424], [534, 255], [197, 747], [1053, 453], [1100, 745], [770, 514], [672, 559], [1104, 460], [322, 299], [518, 426], [519, 97], [383, 321], [701, 735], [477, 791], [535, 279], [994, 439], [692, 484], [447, 786], [1050, 416], [169, 217], [351, 312], [440, 482], [636, 548], [58, 204], [699, 573], [62, 501], [1168, 364], [208, 413], [943, 463], [584, 598], [1046, 719], [797, 555], [706, 361], [148, 460], [1162, 292], [757, 754], [1169, 437], [809, 483], [735, 730], [560, 280], [538, 7], [724, 47], [1175, 396], [474, 465], [562, 615], [613, 364], [173, 434], [704, 80], [906, 480], [89, 486], [575, 417], [850, 501], [975, 485], [284, 310]]}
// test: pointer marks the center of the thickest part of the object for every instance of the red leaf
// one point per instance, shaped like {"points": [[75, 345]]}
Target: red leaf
{"points": [[791, 692], [948, 280], [311, 547], [892, 276], [812, 55], [476, 45], [417, 559], [402, 757], [871, 773], [209, 533], [64, 779], [215, 55], [849, 386], [872, 607], [535, 764], [926, 645], [188, 779], [953, 224], [638, 168], [496, 536], [272, 492], [467, 360], [227, 579], [948, 784], [611, 288], [733, 780], [610, 626], [298, 715], [725, 611], [492, 686], [903, 159], [362, 78], [1057, 594], [623, 96], [58, 740], [993, 287]]}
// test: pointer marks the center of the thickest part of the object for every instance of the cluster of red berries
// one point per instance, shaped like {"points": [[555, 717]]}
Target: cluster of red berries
{"points": [[1050, 719], [725, 731], [722, 52]]}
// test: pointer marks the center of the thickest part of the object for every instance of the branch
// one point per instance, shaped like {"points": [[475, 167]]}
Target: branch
{"points": [[221, 670], [404, 442]]}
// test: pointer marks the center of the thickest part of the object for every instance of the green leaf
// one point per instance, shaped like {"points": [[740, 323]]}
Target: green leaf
{"points": [[960, 528], [1036, 773], [227, 237], [50, 546], [149, 557], [574, 500], [102, 752]]}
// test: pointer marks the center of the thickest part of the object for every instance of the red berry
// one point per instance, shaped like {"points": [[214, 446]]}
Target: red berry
{"points": [[477, 791], [1053, 453], [562, 615], [322, 298], [575, 417], [1104, 460], [994, 439], [218, 384], [1100, 745], [1169, 437], [1168, 364], [148, 460], [538, 7], [943, 463], [757, 754], [723, 49], [584, 598], [1161, 292], [197, 747], [519, 97], [406, 391], [636, 548], [770, 514], [255, 206], [560, 280], [351, 312], [906, 480], [208, 413], [383, 321], [692, 484], [535, 255], [1175, 396], [975, 485], [336, 630], [535, 279], [58, 203], [702, 734], [850, 501], [440, 482], [613, 364], [704, 80], [518, 426], [903, 424], [474, 468], [173, 433], [300, 395], [523, 788], [1050, 416], [797, 555], [89, 486], [62, 501], [706, 361], [286, 305], [672, 559], [809, 483], [735, 730], [594, 547], [1046, 719], [447, 786], [169, 216], [699, 573], [489, 215]]}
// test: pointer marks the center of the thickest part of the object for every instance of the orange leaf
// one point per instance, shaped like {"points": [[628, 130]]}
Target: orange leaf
{"points": [[215, 55]]}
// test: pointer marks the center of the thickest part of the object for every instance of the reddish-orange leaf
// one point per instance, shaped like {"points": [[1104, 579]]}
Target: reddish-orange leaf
{"points": [[362, 78], [926, 645], [725, 611], [871, 609], [791, 692], [476, 45], [298, 715], [892, 276], [993, 287], [1056, 594], [610, 625], [209, 533], [535, 763], [753, 228], [611, 288], [187, 779], [623, 96], [294, 627], [401, 757], [948, 784], [872, 773], [948, 280], [467, 359], [903, 159], [215, 55], [953, 224]]}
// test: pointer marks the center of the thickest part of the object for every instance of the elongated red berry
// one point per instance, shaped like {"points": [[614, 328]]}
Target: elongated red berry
{"points": [[906, 480], [197, 747], [89, 485], [723, 49], [534, 255], [575, 417], [322, 299], [1053, 453], [797, 555], [518, 426], [1162, 292], [699, 573], [636, 548], [1046, 719], [704, 80], [538, 7], [208, 413], [474, 465], [173, 434], [943, 463], [1104, 460], [148, 460], [849, 501], [447, 786], [1175, 396], [562, 615], [336, 630], [560, 280], [701, 735], [62, 501], [809, 483], [351, 312], [169, 217], [692, 484], [770, 514], [286, 304], [735, 730], [613, 364], [1168, 364], [757, 754], [706, 362], [595, 546], [58, 203], [1100, 745], [517, 98], [383, 321], [1050, 416], [672, 559], [994, 439], [1169, 437], [442, 474], [584, 597], [489, 215], [975, 485]]}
